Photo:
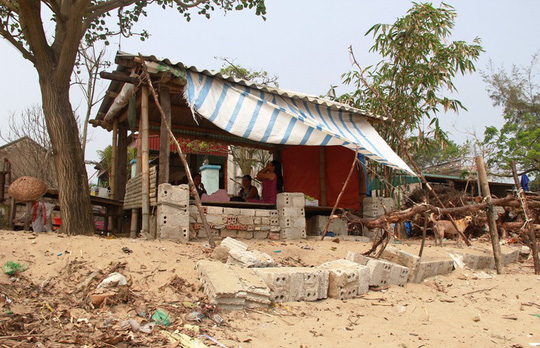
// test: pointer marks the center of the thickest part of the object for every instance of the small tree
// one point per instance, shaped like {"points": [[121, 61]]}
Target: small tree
{"points": [[419, 63], [48, 33], [518, 92]]}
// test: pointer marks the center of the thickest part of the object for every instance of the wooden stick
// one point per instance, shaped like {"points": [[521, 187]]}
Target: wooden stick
{"points": [[480, 290], [182, 157], [424, 233], [528, 220], [484, 185], [404, 147], [325, 231]]}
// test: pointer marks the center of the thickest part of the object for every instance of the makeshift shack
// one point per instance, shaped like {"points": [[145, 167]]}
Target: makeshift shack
{"points": [[314, 138]]}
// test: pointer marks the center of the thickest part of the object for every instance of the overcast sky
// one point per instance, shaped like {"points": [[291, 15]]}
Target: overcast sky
{"points": [[304, 42]]}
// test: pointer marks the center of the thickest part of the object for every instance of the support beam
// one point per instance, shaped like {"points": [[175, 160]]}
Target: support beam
{"points": [[122, 162], [145, 228], [486, 195], [135, 212], [164, 141], [114, 157]]}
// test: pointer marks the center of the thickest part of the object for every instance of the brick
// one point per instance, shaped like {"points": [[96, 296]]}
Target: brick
{"points": [[231, 220], [245, 234], [247, 212], [214, 219], [231, 211], [257, 220], [260, 235], [275, 229], [245, 220], [262, 212], [265, 221], [215, 210], [228, 233]]}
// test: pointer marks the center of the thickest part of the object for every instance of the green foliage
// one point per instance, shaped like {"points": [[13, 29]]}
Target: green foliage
{"points": [[518, 92], [442, 157]]}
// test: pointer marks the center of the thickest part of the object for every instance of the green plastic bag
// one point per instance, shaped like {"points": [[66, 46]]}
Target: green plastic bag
{"points": [[161, 317], [10, 267]]}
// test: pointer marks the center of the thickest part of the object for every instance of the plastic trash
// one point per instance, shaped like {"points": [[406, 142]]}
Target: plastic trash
{"points": [[135, 326], [147, 328], [161, 317], [114, 279], [10, 267], [195, 316]]}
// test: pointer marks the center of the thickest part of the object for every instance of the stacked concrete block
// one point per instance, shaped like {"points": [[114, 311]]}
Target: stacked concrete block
{"points": [[401, 257], [289, 284], [487, 261], [232, 288], [374, 207], [381, 272], [428, 269], [347, 279], [316, 224], [173, 217], [290, 216]]}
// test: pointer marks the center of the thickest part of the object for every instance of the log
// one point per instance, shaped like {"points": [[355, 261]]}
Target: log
{"points": [[492, 219], [145, 228]]}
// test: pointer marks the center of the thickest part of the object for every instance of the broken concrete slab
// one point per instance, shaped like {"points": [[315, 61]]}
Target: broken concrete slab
{"points": [[232, 288], [382, 272], [250, 259], [347, 279], [232, 243]]}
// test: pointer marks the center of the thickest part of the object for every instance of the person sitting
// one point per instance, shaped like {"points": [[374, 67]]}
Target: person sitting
{"points": [[247, 192], [199, 186], [272, 182]]}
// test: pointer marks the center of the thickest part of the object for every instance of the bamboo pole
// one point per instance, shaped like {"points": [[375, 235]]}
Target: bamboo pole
{"points": [[322, 175], [528, 219], [164, 141], [484, 185], [114, 156], [145, 228], [325, 231], [182, 157]]}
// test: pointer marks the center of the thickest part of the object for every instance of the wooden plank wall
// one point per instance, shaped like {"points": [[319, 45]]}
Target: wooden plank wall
{"points": [[133, 197]]}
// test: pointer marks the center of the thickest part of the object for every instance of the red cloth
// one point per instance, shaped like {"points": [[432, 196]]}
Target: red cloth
{"points": [[301, 173]]}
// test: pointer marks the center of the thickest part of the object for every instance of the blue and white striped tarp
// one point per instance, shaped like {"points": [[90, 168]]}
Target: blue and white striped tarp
{"points": [[266, 117]]}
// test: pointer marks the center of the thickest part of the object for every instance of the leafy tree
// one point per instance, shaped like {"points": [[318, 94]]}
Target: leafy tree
{"points": [[48, 33], [442, 157], [261, 77], [518, 92], [419, 63]]}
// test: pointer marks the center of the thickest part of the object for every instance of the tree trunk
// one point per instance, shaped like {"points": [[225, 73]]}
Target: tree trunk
{"points": [[74, 198]]}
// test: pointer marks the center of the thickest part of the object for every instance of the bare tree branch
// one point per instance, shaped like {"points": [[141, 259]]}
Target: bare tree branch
{"points": [[18, 45], [9, 5]]}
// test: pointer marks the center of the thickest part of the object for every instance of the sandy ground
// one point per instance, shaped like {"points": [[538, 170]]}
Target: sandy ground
{"points": [[462, 309]]}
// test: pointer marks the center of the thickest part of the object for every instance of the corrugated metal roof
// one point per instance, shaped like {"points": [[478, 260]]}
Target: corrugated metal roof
{"points": [[268, 89]]}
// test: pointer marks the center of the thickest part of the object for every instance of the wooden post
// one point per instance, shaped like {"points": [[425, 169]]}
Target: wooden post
{"points": [[164, 141], [183, 158], [122, 163], [134, 212], [145, 228], [325, 231], [12, 213], [2, 180], [528, 219], [424, 233], [114, 156], [484, 185], [322, 175], [28, 216]]}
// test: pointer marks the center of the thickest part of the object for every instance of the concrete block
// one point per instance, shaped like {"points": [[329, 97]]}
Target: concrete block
{"points": [[164, 209], [193, 210], [178, 219], [247, 212], [262, 212], [249, 259], [510, 257], [295, 283], [245, 234], [257, 220], [177, 194], [229, 233], [175, 233], [274, 221], [290, 199], [231, 211], [265, 228], [214, 210], [347, 279], [265, 221], [400, 257], [428, 269], [292, 211], [274, 213], [292, 222], [381, 272], [275, 229], [260, 235], [214, 219], [230, 220], [293, 233], [274, 236], [245, 220]]}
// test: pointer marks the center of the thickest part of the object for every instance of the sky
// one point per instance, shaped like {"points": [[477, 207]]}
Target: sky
{"points": [[304, 43]]}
